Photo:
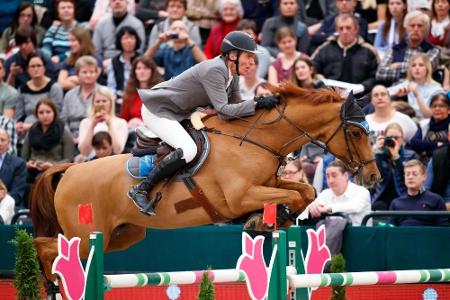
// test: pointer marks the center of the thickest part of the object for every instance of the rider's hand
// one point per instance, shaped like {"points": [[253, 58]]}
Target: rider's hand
{"points": [[266, 102]]}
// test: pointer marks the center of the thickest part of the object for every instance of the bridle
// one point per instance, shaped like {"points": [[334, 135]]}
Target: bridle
{"points": [[354, 163]]}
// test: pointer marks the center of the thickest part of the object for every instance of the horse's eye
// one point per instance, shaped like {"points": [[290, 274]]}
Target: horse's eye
{"points": [[356, 134]]}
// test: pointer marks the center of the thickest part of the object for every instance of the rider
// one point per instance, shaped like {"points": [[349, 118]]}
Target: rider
{"points": [[212, 82]]}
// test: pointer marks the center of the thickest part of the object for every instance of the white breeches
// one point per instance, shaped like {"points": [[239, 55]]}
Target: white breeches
{"points": [[171, 132]]}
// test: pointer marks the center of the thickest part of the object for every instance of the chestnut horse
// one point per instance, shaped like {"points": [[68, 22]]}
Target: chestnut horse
{"points": [[238, 177]]}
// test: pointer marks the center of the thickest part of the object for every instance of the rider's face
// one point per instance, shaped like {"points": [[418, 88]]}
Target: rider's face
{"points": [[246, 62]]}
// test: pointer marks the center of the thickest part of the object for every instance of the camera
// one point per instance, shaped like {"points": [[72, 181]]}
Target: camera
{"points": [[173, 36], [389, 142]]}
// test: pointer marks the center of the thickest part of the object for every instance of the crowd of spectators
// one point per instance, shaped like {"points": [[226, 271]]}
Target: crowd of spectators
{"points": [[70, 70]]}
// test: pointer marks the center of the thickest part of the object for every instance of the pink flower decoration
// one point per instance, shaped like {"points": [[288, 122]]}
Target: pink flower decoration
{"points": [[318, 253], [67, 266]]}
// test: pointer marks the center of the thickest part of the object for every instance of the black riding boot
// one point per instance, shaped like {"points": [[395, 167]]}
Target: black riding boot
{"points": [[166, 167]]}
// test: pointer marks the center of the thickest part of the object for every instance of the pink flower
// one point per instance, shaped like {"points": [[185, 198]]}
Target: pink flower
{"points": [[67, 266], [318, 253]]}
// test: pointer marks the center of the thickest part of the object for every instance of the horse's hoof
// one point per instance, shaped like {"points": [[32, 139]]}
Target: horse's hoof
{"points": [[255, 223]]}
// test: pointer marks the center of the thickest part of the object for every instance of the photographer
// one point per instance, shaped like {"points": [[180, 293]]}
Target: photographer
{"points": [[175, 51], [390, 155]]}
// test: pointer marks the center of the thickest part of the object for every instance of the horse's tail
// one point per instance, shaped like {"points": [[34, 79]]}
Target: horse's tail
{"points": [[42, 206]]}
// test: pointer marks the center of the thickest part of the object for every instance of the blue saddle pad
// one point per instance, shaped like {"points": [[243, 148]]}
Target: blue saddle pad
{"points": [[139, 167]]}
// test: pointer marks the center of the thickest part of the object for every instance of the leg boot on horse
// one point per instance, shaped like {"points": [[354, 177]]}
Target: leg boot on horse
{"points": [[168, 166]]}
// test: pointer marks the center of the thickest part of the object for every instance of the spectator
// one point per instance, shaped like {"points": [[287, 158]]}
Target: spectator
{"points": [[438, 176], [47, 142], [343, 196], [417, 199], [204, 14], [303, 74], [102, 144], [38, 87], [390, 155], [7, 205], [419, 86], [176, 10], [8, 9], [151, 12], [249, 82], [312, 12], [10, 126], [101, 117], [391, 31], [394, 65], [7, 95], [288, 17], [259, 11], [13, 171], [105, 31], [231, 13], [432, 133], [440, 22], [293, 171], [103, 7], [48, 11], [76, 101], [128, 43], [372, 11], [25, 15], [347, 57], [144, 75], [280, 69], [80, 45], [16, 64], [175, 51], [385, 114], [264, 57], [328, 25], [263, 89], [56, 42]]}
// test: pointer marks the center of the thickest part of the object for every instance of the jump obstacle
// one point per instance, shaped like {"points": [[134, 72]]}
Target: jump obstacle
{"points": [[283, 275]]}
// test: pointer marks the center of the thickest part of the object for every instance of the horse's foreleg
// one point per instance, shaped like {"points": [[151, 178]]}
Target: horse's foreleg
{"points": [[256, 196], [306, 191]]}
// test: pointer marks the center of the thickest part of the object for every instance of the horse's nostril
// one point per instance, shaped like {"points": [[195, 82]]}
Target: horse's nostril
{"points": [[373, 178]]}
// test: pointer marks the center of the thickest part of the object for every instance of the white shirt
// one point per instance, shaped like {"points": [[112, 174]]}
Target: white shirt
{"points": [[354, 202], [408, 126], [7, 208]]}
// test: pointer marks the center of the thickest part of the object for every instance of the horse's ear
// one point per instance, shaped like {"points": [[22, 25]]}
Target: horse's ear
{"points": [[363, 101]]}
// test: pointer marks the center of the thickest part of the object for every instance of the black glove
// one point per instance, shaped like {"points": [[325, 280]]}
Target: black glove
{"points": [[266, 102]]}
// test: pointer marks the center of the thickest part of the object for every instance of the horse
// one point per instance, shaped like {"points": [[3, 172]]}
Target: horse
{"points": [[238, 177]]}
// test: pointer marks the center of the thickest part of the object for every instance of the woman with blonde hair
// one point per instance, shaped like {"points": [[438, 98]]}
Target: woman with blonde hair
{"points": [[419, 85], [101, 117], [7, 205]]}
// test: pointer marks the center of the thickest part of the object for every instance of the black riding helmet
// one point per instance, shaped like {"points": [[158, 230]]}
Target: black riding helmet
{"points": [[239, 41]]}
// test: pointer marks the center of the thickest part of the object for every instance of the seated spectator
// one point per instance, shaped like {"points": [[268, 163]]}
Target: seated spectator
{"points": [[47, 142], [262, 89], [80, 45], [394, 65], [7, 95], [385, 114], [151, 12], [38, 87], [390, 155], [293, 171], [16, 65], [144, 75], [249, 82], [280, 69], [328, 26], [432, 132], [264, 57], [438, 176], [76, 101], [127, 42], [372, 11], [56, 42], [105, 31], [347, 57], [10, 126], [303, 74], [231, 13], [103, 7], [176, 11], [102, 144], [313, 12], [7, 205], [101, 117], [49, 11], [440, 22], [391, 31], [259, 11], [288, 17], [13, 171], [343, 196], [417, 199], [25, 15], [204, 14], [175, 51]]}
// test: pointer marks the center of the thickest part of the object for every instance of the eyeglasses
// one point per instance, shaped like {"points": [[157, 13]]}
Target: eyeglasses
{"points": [[380, 94], [35, 66], [439, 106]]}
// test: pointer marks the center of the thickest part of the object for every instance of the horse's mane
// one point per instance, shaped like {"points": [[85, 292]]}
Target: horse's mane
{"points": [[315, 96]]}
